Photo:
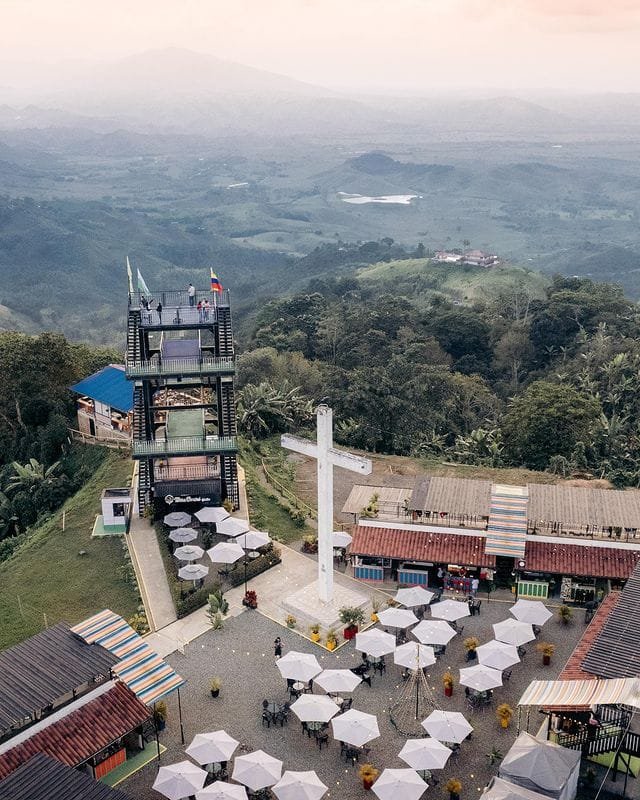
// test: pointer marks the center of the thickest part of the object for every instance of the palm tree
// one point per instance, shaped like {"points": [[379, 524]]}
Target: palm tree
{"points": [[28, 477]]}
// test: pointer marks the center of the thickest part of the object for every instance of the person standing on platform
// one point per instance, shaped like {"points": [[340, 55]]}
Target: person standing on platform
{"points": [[191, 291], [474, 586], [159, 310]]}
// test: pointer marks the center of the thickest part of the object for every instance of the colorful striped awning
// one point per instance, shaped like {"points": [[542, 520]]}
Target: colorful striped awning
{"points": [[140, 667], [507, 528], [582, 694]]}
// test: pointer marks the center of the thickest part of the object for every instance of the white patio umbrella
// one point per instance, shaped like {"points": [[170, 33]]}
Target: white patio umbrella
{"points": [[355, 727], [497, 655], [257, 770], [480, 678], [189, 552], [183, 535], [532, 611], [225, 553], [253, 539], [299, 666], [232, 527], [193, 572], [211, 514], [447, 726], [212, 747], [337, 680], [513, 632], [414, 655], [375, 642], [219, 790], [180, 780], [299, 786], [433, 631], [425, 754], [397, 618], [413, 596], [341, 539], [315, 708], [177, 519], [395, 783], [450, 610]]}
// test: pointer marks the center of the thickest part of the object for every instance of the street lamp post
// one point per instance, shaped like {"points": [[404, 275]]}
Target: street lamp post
{"points": [[251, 554]]}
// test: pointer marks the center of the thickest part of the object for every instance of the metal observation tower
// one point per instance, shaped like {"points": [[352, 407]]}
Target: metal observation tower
{"points": [[182, 362]]}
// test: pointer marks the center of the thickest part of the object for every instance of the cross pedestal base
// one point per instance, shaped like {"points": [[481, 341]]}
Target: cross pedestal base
{"points": [[308, 610]]}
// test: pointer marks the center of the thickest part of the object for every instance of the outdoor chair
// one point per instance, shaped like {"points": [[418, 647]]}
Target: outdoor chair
{"points": [[439, 650], [294, 694], [366, 678], [305, 729], [536, 630], [283, 715], [521, 651], [266, 717], [459, 628], [323, 739], [346, 704], [436, 597], [506, 676]]}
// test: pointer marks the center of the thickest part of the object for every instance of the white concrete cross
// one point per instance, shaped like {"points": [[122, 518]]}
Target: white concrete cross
{"points": [[327, 457]]}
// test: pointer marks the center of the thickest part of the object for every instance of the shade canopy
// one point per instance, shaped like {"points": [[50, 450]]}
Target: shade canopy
{"points": [[425, 754], [193, 572], [299, 666], [299, 786], [413, 596], [513, 632], [500, 789], [497, 655], [177, 519], [183, 535], [253, 539], [340, 539], [395, 783], [533, 611], [447, 726], [180, 780], [212, 514], [542, 767], [414, 655], [315, 708], [480, 678], [450, 610], [231, 526], [397, 618], [219, 790], [355, 727], [225, 553], [433, 631], [189, 552], [337, 680], [209, 748], [257, 770], [375, 642]]}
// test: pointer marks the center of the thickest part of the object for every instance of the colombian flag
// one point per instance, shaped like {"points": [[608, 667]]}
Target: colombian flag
{"points": [[216, 286]]}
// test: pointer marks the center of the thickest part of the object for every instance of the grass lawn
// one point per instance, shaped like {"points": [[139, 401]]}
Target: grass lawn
{"points": [[47, 576]]}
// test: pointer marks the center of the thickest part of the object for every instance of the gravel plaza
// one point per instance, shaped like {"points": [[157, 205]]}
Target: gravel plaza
{"points": [[241, 654]]}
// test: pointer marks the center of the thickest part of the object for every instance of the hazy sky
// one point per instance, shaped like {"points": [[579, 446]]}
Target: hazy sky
{"points": [[588, 45]]}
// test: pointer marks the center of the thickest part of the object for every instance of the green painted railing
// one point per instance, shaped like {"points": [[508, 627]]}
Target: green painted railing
{"points": [[185, 445]]}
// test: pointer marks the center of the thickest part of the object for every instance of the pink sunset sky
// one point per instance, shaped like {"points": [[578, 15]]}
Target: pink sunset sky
{"points": [[399, 45]]}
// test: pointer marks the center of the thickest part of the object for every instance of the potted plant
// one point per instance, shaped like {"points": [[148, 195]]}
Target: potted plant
{"points": [[504, 712], [454, 787], [494, 755], [375, 607], [160, 715], [315, 632], [250, 599], [351, 617], [215, 684], [547, 649], [332, 639], [470, 644], [367, 774], [447, 682], [291, 621], [566, 614]]}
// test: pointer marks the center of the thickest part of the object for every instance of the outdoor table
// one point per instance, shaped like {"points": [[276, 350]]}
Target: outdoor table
{"points": [[300, 686], [273, 708], [316, 727]]}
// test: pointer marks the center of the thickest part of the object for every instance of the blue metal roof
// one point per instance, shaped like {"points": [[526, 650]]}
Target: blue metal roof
{"points": [[109, 386]]}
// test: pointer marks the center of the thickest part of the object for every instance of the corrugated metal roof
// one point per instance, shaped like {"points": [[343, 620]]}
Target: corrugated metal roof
{"points": [[419, 495], [82, 733], [458, 496], [615, 652], [572, 670], [580, 559], [109, 386], [576, 505], [44, 668], [411, 545], [391, 499], [44, 778]]}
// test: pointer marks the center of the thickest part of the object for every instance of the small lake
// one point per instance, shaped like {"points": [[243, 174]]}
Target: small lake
{"points": [[385, 199]]}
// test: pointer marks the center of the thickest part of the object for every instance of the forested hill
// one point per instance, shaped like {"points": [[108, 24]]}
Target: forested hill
{"points": [[543, 377]]}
